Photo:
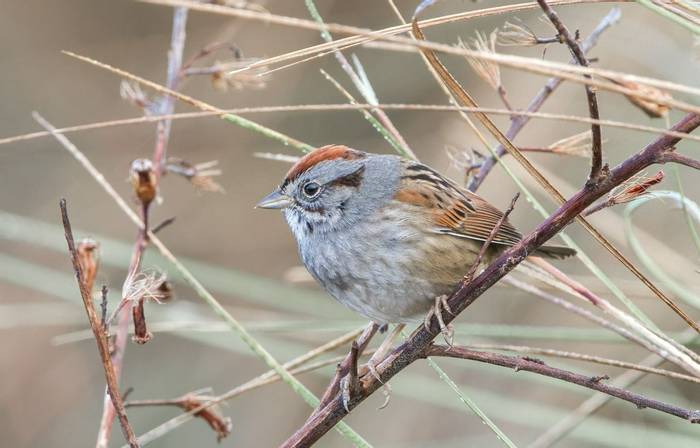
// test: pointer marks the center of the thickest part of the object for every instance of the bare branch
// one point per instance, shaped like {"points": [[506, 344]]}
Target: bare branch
{"points": [[597, 168], [98, 332], [674, 157], [597, 383]]}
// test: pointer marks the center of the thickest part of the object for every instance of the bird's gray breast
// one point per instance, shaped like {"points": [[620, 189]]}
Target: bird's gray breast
{"points": [[371, 267]]}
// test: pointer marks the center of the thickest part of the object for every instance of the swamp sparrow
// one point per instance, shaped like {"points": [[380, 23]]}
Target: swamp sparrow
{"points": [[385, 235]]}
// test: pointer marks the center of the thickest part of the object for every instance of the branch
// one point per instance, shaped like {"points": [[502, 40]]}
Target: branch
{"points": [[465, 294], [492, 235], [537, 366], [585, 357], [538, 100], [98, 331], [167, 102], [674, 157], [597, 169]]}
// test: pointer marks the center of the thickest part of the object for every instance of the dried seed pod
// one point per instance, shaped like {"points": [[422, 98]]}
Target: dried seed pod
{"points": [[141, 333], [88, 256], [143, 180], [212, 414], [634, 188], [650, 107], [516, 35], [132, 92], [145, 286], [200, 175], [574, 145], [489, 71]]}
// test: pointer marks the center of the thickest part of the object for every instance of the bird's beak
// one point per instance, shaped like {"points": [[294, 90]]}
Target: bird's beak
{"points": [[276, 199]]}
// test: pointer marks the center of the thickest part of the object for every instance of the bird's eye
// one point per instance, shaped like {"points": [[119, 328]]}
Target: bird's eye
{"points": [[311, 189]]}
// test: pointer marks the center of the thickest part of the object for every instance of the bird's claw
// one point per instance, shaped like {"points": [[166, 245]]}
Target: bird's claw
{"points": [[345, 393], [446, 329], [386, 388]]}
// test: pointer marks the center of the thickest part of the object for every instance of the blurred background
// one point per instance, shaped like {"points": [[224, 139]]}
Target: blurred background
{"points": [[52, 381]]}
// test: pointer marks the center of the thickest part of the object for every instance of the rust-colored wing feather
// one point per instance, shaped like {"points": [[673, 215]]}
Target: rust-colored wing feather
{"points": [[452, 209], [458, 212]]}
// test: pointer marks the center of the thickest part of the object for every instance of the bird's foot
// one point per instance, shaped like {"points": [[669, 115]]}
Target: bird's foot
{"points": [[446, 329], [350, 383], [378, 357]]}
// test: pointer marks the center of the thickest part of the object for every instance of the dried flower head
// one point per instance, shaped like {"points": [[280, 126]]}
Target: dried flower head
{"points": [[516, 35], [145, 285], [635, 187], [138, 289], [651, 107], [88, 256], [132, 92], [200, 175], [212, 415], [143, 180], [489, 71], [575, 145], [224, 76]]}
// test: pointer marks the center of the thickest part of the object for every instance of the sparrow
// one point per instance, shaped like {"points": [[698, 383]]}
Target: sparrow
{"points": [[385, 235]]}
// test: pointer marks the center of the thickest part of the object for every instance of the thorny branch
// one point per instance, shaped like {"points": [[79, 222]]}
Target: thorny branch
{"points": [[418, 345], [98, 332], [597, 168]]}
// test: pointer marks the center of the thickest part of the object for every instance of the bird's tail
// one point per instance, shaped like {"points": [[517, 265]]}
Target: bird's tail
{"points": [[557, 252]]}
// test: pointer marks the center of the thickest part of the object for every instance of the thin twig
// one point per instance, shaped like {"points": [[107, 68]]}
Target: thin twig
{"points": [[344, 107], [243, 122], [167, 103], [584, 357], [343, 368], [531, 64], [674, 157], [526, 364], [492, 235], [683, 356], [597, 169], [599, 320], [97, 330], [594, 403]]}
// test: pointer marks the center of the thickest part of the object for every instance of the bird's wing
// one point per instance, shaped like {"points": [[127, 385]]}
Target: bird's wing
{"points": [[452, 209]]}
